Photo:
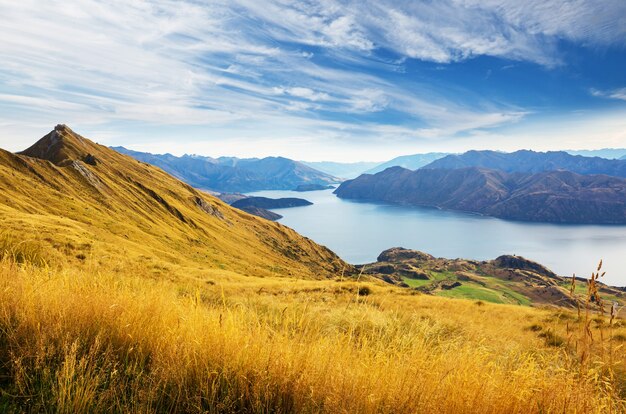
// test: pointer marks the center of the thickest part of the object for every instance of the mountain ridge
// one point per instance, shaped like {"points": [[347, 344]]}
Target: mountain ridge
{"points": [[78, 196], [552, 196], [231, 174], [526, 161]]}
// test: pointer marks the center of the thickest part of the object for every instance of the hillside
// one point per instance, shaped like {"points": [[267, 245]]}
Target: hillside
{"points": [[229, 174], [75, 198], [261, 212], [532, 162], [506, 279], [410, 162], [554, 196]]}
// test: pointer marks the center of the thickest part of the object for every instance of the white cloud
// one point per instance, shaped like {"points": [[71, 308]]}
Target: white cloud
{"points": [[305, 93], [447, 30], [619, 93]]}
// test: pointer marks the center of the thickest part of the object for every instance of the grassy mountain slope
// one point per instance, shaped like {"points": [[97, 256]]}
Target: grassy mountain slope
{"points": [[76, 196]]}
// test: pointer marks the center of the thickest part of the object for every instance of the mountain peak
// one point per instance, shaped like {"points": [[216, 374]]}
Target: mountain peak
{"points": [[61, 146]]}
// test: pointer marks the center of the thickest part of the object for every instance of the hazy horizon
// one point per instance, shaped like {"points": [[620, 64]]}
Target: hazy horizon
{"points": [[380, 161]]}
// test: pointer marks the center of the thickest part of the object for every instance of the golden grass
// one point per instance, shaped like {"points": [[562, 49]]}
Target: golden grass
{"points": [[21, 251], [138, 212], [97, 341], [128, 296]]}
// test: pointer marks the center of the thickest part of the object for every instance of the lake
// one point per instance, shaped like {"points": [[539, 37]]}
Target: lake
{"points": [[359, 231]]}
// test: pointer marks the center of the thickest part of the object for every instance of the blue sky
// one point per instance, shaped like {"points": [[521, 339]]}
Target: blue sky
{"points": [[325, 80]]}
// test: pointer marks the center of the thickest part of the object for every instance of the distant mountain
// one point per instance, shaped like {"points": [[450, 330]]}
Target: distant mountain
{"points": [[532, 162], [553, 196], [261, 212], [270, 203], [608, 153], [229, 198], [410, 162], [312, 187], [229, 174], [343, 170]]}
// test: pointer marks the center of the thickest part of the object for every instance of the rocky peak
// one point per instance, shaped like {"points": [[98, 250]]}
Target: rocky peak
{"points": [[399, 254], [62, 146], [520, 263]]}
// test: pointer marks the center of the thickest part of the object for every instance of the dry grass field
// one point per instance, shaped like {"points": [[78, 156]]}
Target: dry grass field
{"points": [[93, 340], [133, 296]]}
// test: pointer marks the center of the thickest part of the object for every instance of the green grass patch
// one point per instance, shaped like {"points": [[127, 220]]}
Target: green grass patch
{"points": [[472, 291], [508, 294], [445, 275], [414, 283]]}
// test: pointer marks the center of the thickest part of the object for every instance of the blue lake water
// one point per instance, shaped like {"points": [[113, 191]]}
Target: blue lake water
{"points": [[359, 231]]}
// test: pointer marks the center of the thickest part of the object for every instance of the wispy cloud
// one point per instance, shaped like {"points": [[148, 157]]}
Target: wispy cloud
{"points": [[619, 93], [244, 68]]}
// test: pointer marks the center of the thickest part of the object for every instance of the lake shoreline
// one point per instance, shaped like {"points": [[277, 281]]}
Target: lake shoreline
{"points": [[358, 231]]}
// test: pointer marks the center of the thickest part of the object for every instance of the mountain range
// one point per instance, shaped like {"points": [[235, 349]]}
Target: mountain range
{"points": [[415, 161], [525, 161], [231, 174], [549, 196]]}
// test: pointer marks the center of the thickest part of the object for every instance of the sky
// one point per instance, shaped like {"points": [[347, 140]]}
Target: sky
{"points": [[333, 80]]}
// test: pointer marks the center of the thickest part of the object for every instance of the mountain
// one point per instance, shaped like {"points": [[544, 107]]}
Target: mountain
{"points": [[341, 169], [552, 196], [259, 206], [229, 174], [270, 203], [525, 161], [410, 162], [78, 197], [608, 153], [302, 188], [229, 198]]}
